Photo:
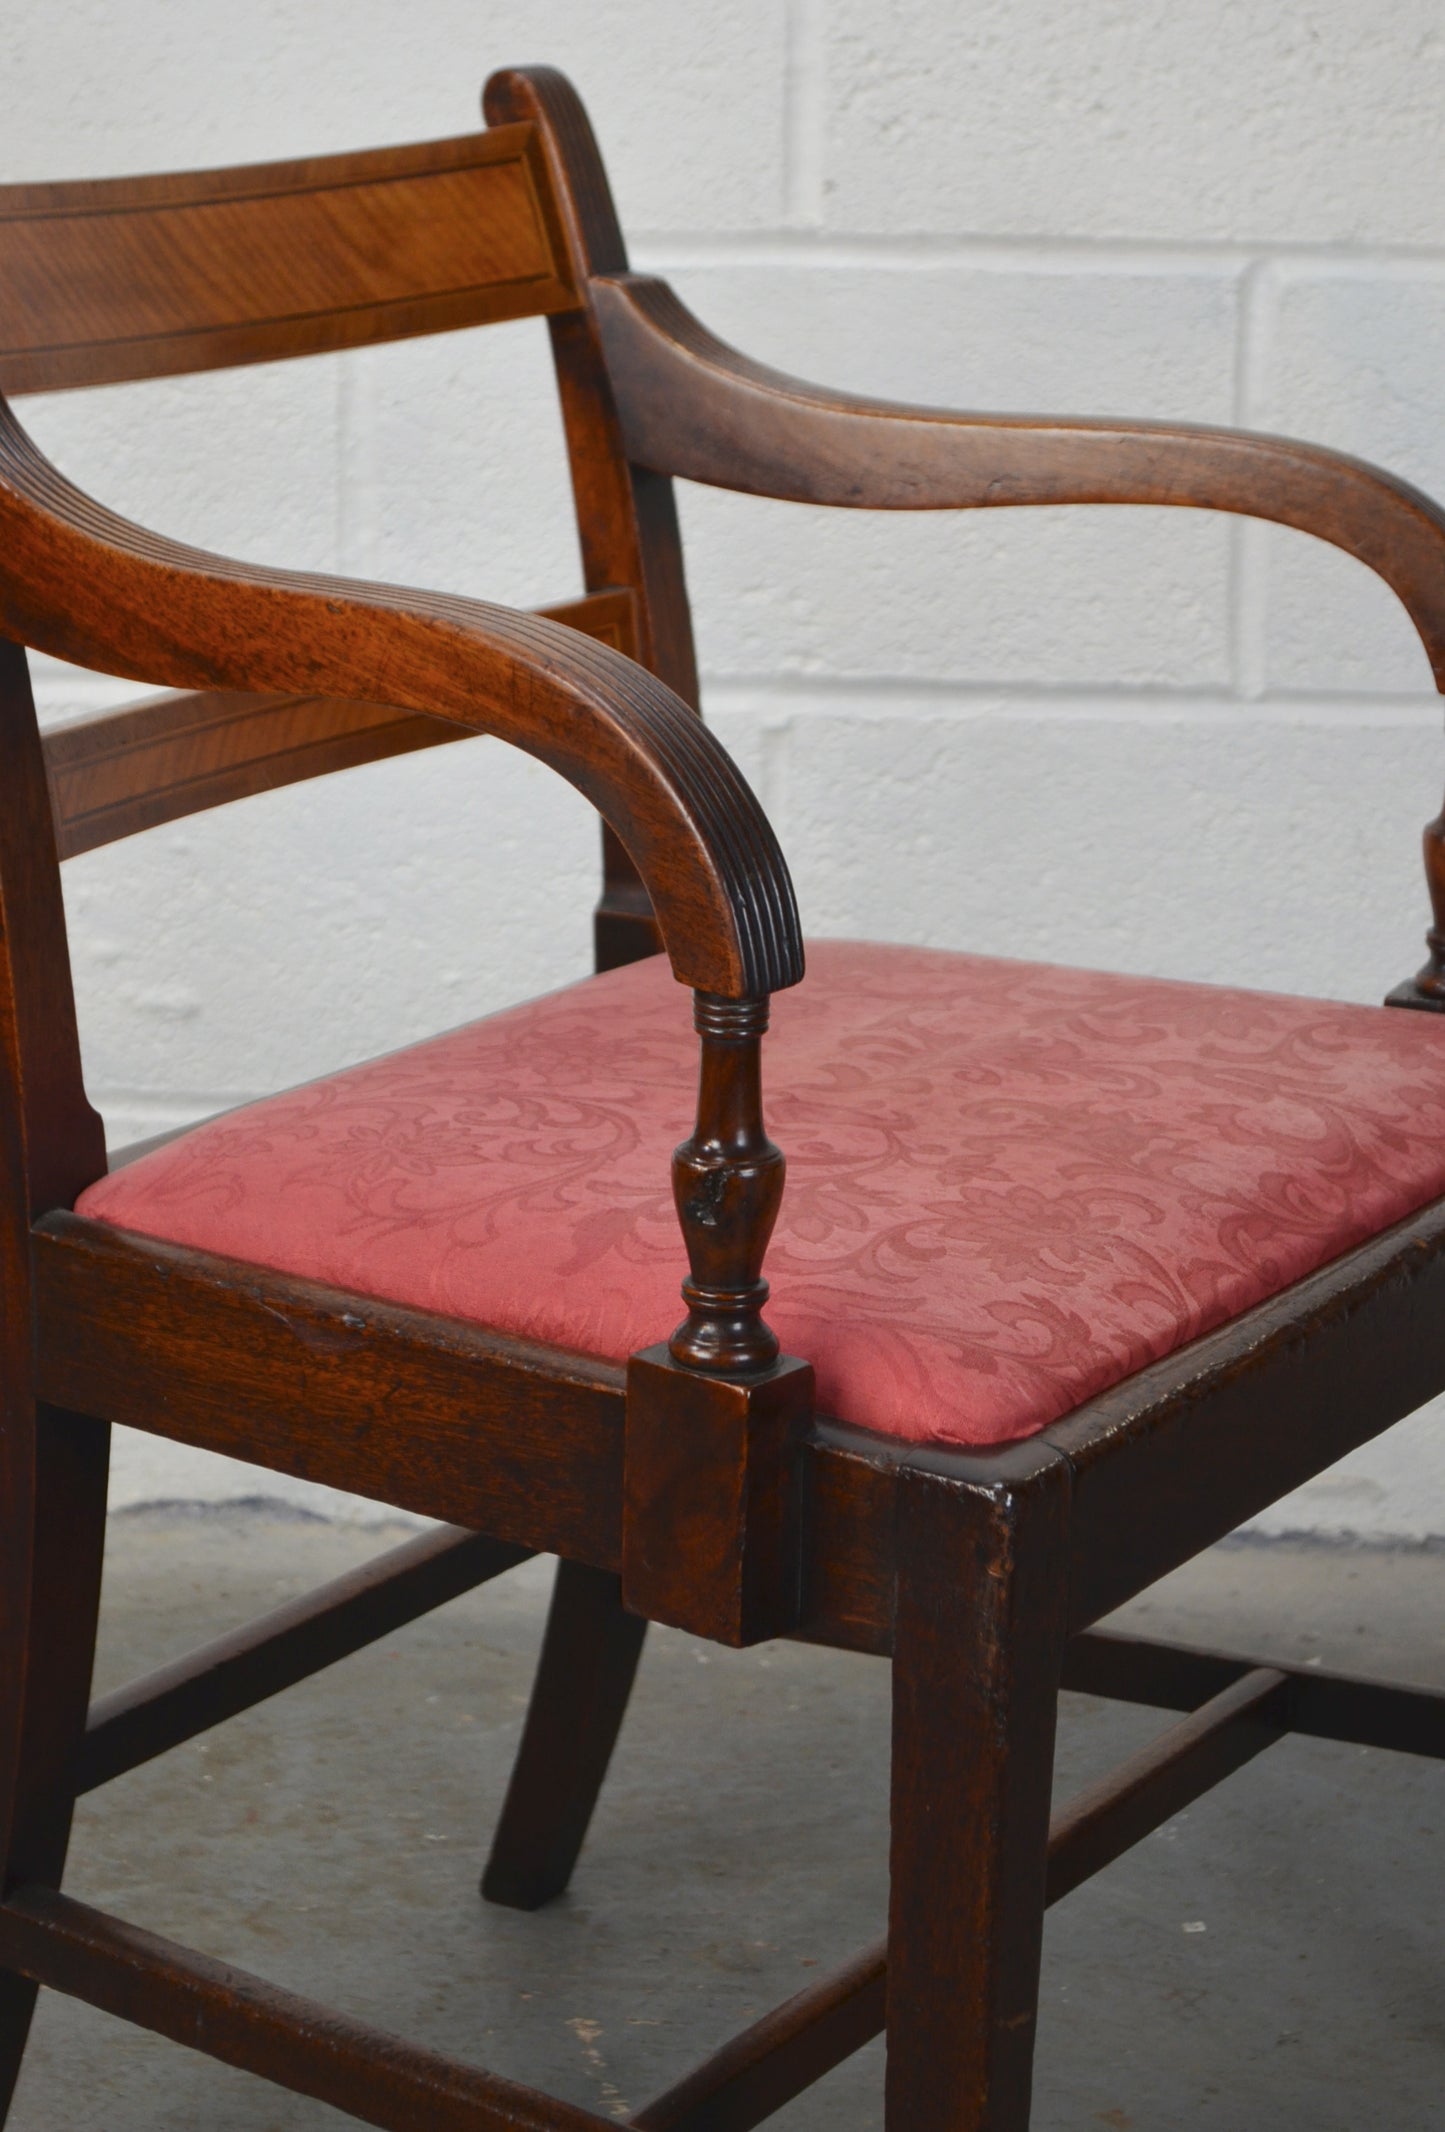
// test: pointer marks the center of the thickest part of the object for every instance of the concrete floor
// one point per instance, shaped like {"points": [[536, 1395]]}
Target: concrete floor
{"points": [[1272, 1958]]}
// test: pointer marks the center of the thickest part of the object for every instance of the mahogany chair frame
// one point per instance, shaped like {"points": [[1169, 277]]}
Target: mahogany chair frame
{"points": [[697, 1486]]}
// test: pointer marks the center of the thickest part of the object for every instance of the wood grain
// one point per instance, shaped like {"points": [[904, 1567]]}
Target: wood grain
{"points": [[626, 514], [971, 1568], [139, 277], [89, 587], [506, 1437], [694, 407], [977, 1649], [126, 770], [711, 1521], [527, 1442]]}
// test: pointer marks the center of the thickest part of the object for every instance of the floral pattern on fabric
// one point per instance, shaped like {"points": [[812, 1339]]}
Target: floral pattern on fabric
{"points": [[1009, 1185]]}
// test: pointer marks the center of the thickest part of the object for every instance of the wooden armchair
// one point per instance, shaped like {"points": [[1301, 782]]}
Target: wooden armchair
{"points": [[1087, 1269]]}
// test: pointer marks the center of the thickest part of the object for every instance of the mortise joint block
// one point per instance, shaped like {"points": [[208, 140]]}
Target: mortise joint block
{"points": [[710, 1528]]}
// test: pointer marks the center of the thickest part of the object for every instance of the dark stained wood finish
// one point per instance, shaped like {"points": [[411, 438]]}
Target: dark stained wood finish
{"points": [[694, 407], [691, 406], [1171, 1459], [589, 1658], [122, 771], [136, 1330], [711, 1530], [978, 1646], [52, 1463], [1323, 1705], [711, 1521], [516, 1440], [626, 514], [626, 517], [53, 1469], [147, 1717], [1427, 987], [155, 611], [756, 2072], [1110, 1817], [766, 2065], [231, 2015], [704, 1488], [727, 1184], [1176, 1457], [137, 277], [53, 1143]]}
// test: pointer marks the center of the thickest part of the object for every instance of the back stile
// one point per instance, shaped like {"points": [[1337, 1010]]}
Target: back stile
{"points": [[626, 515], [59, 1143], [52, 1464], [142, 277]]}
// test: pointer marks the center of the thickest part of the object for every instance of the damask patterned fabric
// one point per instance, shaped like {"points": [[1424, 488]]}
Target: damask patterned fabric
{"points": [[1009, 1186]]}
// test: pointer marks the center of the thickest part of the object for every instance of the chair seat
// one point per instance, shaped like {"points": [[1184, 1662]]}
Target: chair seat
{"points": [[1010, 1185]]}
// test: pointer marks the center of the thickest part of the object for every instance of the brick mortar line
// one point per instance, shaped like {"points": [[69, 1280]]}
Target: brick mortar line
{"points": [[804, 115], [887, 699], [659, 250]]}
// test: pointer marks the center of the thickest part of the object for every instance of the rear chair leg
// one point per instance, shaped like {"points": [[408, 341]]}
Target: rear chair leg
{"points": [[584, 1677], [52, 1538], [980, 1630]]}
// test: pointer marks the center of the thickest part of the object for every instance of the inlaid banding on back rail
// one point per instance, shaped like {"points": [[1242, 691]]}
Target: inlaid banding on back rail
{"points": [[136, 277]]}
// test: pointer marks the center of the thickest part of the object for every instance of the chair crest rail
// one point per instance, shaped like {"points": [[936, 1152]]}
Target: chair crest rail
{"points": [[142, 277]]}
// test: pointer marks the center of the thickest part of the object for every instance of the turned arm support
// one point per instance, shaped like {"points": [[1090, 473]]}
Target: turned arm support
{"points": [[77, 581]]}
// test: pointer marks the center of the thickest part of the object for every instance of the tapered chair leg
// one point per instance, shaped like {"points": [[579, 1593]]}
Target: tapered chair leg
{"points": [[584, 1677], [52, 1539], [979, 1643]]}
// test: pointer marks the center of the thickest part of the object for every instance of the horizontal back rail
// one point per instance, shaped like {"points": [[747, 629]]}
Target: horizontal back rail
{"points": [[126, 770], [142, 277]]}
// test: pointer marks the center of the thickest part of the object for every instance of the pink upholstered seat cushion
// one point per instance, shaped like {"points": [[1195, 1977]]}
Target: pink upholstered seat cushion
{"points": [[1009, 1186]]}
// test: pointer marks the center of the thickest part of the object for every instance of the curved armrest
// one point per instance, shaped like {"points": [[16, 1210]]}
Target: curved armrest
{"points": [[692, 406], [84, 584]]}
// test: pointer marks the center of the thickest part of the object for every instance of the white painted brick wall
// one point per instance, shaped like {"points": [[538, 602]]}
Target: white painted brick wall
{"points": [[1154, 740]]}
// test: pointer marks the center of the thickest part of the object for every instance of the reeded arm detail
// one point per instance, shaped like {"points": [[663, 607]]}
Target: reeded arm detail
{"points": [[77, 581]]}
